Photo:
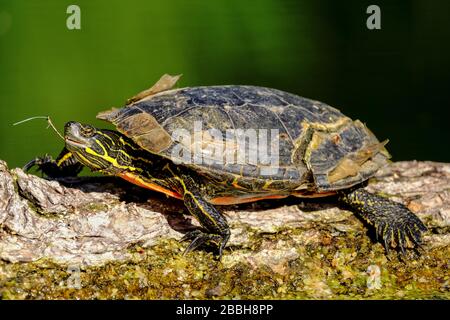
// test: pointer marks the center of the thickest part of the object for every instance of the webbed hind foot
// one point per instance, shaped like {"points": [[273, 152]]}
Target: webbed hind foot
{"points": [[395, 225]]}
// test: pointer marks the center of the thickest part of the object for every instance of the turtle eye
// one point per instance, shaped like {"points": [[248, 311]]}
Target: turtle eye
{"points": [[88, 131]]}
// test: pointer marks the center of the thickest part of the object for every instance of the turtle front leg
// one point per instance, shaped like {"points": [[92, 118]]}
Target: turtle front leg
{"points": [[216, 230], [65, 165], [394, 223]]}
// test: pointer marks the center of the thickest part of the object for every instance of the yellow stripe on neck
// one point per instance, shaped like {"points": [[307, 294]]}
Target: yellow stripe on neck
{"points": [[111, 160]]}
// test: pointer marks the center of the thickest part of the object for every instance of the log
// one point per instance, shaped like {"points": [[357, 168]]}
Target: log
{"points": [[95, 222]]}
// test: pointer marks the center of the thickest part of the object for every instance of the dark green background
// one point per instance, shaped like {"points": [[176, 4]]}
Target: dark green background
{"points": [[395, 79]]}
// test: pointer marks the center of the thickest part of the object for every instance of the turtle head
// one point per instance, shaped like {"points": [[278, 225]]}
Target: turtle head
{"points": [[80, 136], [98, 149]]}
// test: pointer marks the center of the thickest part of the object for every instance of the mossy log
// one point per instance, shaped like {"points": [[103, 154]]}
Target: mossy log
{"points": [[299, 248]]}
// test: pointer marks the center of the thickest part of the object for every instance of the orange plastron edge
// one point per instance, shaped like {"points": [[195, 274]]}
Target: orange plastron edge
{"points": [[135, 179]]}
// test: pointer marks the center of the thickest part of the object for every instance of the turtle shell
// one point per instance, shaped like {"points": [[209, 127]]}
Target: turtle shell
{"points": [[301, 145]]}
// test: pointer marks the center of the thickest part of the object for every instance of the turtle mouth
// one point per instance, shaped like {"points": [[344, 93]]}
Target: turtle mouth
{"points": [[75, 143]]}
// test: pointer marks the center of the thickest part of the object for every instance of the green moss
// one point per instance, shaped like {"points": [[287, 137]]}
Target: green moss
{"points": [[326, 269], [95, 207]]}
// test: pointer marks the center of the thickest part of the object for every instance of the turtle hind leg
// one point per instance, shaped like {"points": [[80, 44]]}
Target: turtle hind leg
{"points": [[395, 225]]}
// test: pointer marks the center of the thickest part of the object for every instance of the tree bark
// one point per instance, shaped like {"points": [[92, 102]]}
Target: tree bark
{"points": [[124, 239], [92, 220]]}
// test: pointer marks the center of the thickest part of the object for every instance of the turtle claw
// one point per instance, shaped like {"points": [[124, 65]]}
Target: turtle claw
{"points": [[387, 239], [200, 238], [190, 235], [402, 243], [40, 162], [405, 231]]}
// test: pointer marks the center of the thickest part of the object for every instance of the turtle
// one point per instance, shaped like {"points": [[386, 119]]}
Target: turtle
{"points": [[208, 146]]}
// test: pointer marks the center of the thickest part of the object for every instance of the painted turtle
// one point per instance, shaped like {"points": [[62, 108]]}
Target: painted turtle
{"points": [[203, 145]]}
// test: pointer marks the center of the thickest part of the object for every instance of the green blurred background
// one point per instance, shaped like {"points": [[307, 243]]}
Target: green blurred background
{"points": [[395, 79]]}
